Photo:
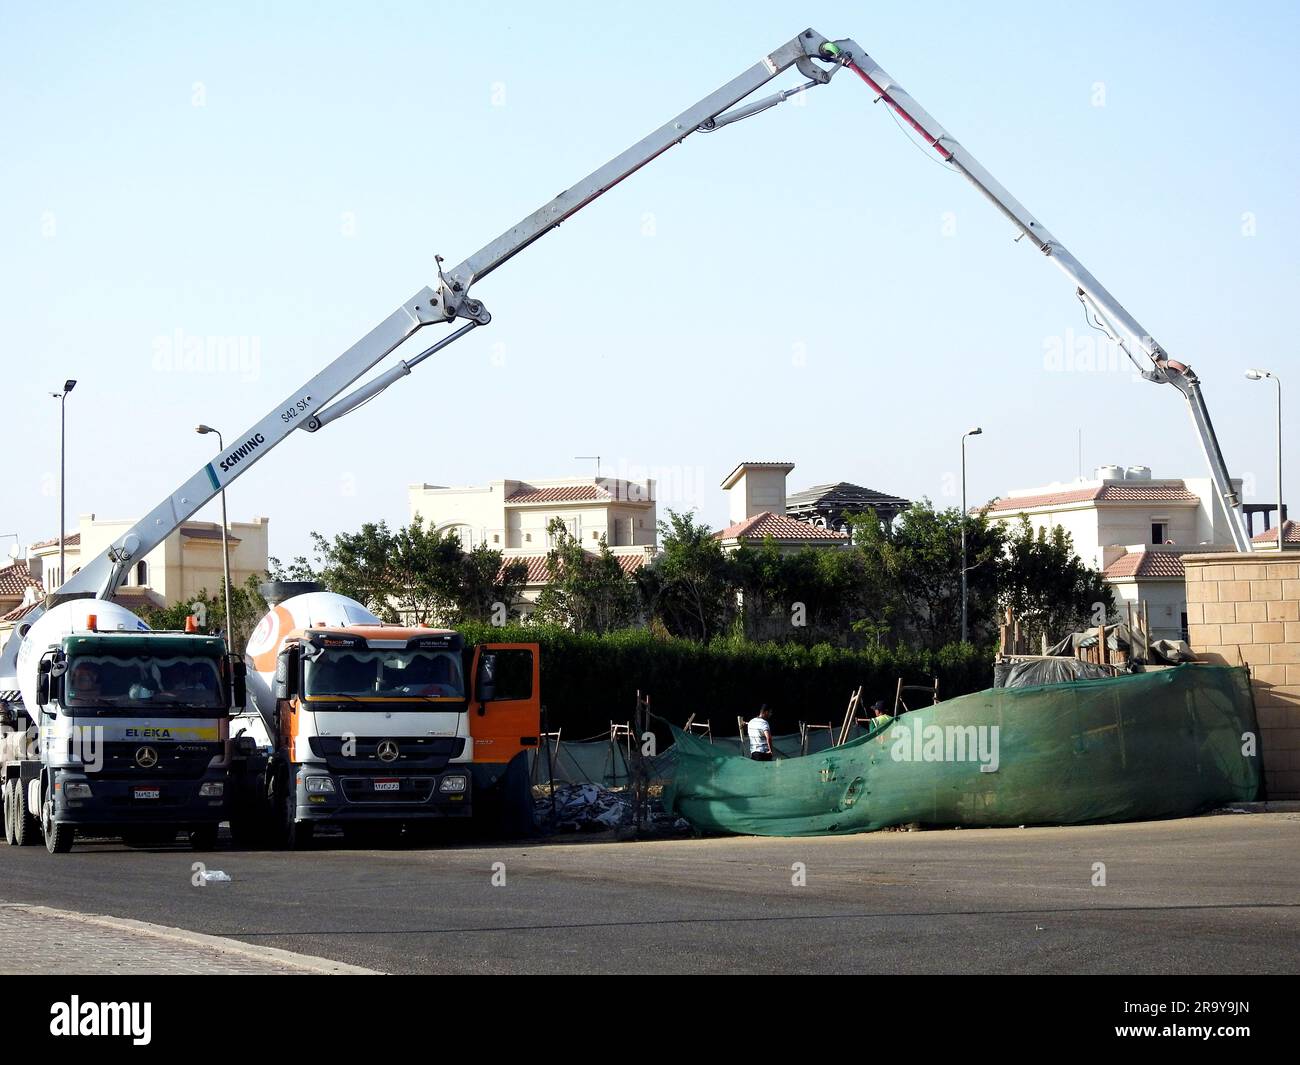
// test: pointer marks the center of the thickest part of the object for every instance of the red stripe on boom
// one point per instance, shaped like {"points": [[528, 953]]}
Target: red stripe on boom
{"points": [[906, 117]]}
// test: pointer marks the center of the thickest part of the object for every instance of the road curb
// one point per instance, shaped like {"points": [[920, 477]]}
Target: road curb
{"points": [[307, 962]]}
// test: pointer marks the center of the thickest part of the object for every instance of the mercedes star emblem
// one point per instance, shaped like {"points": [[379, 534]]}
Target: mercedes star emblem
{"points": [[146, 757], [387, 751]]}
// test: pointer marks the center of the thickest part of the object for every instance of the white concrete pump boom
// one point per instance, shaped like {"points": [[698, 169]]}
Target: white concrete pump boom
{"points": [[1107, 312], [814, 56]]}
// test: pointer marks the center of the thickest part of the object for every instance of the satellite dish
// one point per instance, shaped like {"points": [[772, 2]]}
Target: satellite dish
{"points": [[15, 551]]}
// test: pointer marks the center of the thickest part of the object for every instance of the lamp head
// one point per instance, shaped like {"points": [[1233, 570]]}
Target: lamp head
{"points": [[69, 385]]}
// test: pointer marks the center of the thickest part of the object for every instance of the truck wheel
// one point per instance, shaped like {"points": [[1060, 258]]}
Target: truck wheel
{"points": [[203, 837], [294, 835], [27, 829], [9, 803], [58, 838]]}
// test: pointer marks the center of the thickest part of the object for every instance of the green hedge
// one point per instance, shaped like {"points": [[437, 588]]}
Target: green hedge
{"points": [[589, 681]]}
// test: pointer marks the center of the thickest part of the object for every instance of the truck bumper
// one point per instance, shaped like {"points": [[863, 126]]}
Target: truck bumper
{"points": [[116, 804], [361, 797]]}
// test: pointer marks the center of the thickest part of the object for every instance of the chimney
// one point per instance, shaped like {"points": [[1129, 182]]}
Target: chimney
{"points": [[755, 487]]}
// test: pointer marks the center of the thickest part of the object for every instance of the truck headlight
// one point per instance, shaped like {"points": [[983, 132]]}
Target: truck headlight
{"points": [[319, 785], [213, 789], [76, 791], [453, 784]]}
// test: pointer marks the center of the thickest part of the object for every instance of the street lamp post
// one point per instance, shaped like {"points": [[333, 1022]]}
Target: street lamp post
{"points": [[1260, 375], [971, 432], [62, 397], [225, 543]]}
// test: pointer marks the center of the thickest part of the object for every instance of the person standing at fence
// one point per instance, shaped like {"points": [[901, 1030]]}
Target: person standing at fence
{"points": [[759, 729]]}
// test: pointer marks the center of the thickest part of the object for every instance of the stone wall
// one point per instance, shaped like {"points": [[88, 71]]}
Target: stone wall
{"points": [[1246, 608]]}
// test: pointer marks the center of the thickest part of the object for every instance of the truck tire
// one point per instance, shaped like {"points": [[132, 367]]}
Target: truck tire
{"points": [[27, 829], [203, 837], [294, 835], [9, 803], [58, 838]]}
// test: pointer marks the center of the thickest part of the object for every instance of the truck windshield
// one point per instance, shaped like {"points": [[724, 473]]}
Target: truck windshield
{"points": [[368, 674], [143, 683]]}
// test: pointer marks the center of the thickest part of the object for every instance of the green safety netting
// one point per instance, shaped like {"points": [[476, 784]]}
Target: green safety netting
{"points": [[1147, 745], [608, 762]]}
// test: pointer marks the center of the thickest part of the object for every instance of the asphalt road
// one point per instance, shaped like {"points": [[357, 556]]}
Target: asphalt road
{"points": [[1211, 894]]}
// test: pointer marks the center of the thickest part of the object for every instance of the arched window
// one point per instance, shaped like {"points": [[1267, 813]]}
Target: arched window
{"points": [[142, 573]]}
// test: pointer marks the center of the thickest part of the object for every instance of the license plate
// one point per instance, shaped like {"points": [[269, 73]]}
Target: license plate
{"points": [[388, 785], [146, 793]]}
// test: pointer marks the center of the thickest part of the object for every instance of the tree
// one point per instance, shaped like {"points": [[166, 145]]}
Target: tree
{"points": [[427, 570], [919, 560], [689, 586], [486, 581], [246, 609], [413, 574], [1048, 587], [357, 565], [759, 577], [586, 591]]}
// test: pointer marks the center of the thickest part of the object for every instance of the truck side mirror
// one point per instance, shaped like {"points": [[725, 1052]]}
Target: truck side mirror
{"points": [[49, 679], [238, 683], [286, 674], [485, 684]]}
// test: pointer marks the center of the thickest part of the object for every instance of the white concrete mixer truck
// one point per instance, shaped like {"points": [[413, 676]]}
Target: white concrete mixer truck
{"points": [[121, 731], [372, 727]]}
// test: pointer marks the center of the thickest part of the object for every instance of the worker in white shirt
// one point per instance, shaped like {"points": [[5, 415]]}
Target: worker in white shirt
{"points": [[760, 735]]}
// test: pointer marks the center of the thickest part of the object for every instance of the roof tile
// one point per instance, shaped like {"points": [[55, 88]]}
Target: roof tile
{"points": [[569, 493], [778, 527], [15, 579], [71, 540], [1107, 493], [1144, 565], [1290, 535], [538, 573]]}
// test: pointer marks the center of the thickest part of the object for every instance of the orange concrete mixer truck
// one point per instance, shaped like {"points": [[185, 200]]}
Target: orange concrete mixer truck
{"points": [[373, 727]]}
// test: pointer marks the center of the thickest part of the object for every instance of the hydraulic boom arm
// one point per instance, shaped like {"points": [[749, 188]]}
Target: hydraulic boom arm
{"points": [[817, 59], [1106, 311]]}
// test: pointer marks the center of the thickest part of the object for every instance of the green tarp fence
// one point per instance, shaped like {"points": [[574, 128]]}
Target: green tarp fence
{"points": [[1148, 745], [605, 762]]}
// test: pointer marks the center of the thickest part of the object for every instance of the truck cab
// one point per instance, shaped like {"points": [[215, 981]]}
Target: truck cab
{"points": [[132, 737], [359, 726]]}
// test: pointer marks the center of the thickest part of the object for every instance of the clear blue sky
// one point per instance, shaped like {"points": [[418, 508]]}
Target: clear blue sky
{"points": [[791, 288]]}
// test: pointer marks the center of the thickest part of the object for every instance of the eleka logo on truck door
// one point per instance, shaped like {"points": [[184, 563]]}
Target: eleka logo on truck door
{"points": [[251, 444]]}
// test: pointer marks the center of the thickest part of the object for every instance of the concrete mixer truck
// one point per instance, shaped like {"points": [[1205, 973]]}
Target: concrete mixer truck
{"points": [[121, 731], [372, 727]]}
